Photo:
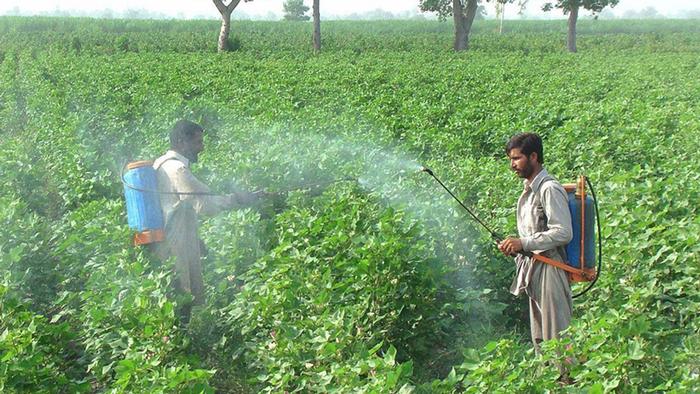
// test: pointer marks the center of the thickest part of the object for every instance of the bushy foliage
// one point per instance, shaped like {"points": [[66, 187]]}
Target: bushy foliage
{"points": [[374, 284], [36, 353]]}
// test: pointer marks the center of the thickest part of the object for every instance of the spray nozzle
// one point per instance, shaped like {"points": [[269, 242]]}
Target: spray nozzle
{"points": [[428, 170]]}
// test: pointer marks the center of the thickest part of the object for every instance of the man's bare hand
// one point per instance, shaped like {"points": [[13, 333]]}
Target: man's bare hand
{"points": [[510, 246]]}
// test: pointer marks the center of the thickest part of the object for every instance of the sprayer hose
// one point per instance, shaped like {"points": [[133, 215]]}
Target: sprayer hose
{"points": [[600, 242]]}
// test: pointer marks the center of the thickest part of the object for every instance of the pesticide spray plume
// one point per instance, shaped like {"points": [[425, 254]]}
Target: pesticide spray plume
{"points": [[496, 237], [316, 185]]}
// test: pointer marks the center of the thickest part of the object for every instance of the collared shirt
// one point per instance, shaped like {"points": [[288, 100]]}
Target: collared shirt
{"points": [[543, 227], [174, 175]]}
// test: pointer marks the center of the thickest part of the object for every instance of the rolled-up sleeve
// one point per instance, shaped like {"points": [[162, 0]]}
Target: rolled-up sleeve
{"points": [[556, 207]]}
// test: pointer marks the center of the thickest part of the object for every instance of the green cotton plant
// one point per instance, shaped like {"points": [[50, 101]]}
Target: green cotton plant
{"points": [[311, 290], [603, 354], [33, 350], [339, 281], [234, 242], [120, 305], [506, 365], [129, 328], [130, 332], [25, 253]]}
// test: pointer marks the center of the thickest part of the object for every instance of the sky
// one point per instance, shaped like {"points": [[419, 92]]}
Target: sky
{"points": [[273, 8]]}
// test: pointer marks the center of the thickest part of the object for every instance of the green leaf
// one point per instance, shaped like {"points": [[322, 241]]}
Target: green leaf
{"points": [[597, 388], [635, 350], [390, 356], [491, 346]]}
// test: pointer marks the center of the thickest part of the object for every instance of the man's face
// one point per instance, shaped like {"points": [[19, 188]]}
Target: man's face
{"points": [[194, 146], [523, 165]]}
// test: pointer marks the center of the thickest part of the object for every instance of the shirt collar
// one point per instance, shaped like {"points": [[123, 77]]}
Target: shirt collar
{"points": [[536, 181], [177, 156]]}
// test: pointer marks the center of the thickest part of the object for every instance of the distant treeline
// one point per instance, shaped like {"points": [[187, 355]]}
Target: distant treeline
{"points": [[106, 36], [376, 14]]}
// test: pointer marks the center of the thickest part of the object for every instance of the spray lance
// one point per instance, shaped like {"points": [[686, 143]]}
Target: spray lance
{"points": [[142, 199], [496, 237], [578, 269]]}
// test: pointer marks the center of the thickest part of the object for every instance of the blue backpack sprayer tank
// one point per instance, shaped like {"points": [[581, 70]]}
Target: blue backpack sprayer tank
{"points": [[580, 263], [143, 202], [142, 197]]}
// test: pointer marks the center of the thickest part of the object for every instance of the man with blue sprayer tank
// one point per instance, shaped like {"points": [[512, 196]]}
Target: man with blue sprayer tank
{"points": [[544, 227], [183, 198]]}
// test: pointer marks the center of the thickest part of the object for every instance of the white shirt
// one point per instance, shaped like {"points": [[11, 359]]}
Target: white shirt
{"points": [[174, 175]]}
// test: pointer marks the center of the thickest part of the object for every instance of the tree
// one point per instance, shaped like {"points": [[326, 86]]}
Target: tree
{"points": [[462, 11], [500, 15], [225, 10], [501, 8], [295, 10], [317, 27], [572, 7]]}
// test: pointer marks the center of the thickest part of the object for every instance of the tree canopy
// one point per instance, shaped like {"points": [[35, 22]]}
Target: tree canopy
{"points": [[295, 10], [591, 5], [443, 8]]}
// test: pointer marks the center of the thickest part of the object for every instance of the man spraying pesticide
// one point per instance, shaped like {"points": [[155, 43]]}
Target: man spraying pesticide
{"points": [[555, 243], [164, 202], [544, 227]]}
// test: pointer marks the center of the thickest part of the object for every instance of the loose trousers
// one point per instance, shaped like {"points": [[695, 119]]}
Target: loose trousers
{"points": [[550, 301], [182, 244]]}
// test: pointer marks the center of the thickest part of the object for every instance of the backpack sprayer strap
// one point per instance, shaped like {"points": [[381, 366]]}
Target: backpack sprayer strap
{"points": [[575, 274]]}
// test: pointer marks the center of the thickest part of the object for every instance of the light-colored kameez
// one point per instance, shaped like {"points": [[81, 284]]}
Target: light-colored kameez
{"points": [[181, 212], [544, 226]]}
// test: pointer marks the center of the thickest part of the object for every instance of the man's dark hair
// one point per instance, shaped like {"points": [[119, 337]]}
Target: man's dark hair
{"points": [[527, 143], [183, 131]]}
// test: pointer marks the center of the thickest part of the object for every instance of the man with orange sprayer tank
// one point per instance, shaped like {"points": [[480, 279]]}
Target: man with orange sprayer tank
{"points": [[544, 227], [183, 198]]}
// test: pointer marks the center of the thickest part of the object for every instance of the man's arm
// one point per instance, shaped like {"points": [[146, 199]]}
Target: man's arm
{"points": [[207, 205]]}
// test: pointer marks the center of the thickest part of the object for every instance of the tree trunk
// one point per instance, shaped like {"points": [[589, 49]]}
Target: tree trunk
{"points": [[460, 32], [571, 36], [225, 11], [463, 22], [317, 27], [472, 6], [503, 15], [224, 33]]}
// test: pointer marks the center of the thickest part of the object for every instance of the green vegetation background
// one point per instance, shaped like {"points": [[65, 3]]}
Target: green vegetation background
{"points": [[376, 286]]}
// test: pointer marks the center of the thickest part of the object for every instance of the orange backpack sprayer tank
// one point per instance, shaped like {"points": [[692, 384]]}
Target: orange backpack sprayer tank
{"points": [[143, 202]]}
